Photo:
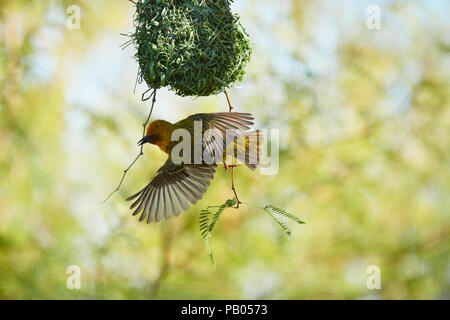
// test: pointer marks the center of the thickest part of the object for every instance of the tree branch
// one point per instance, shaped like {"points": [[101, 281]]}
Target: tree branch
{"points": [[229, 102], [141, 151]]}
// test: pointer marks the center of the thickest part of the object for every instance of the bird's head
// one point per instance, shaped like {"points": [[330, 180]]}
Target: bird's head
{"points": [[158, 133]]}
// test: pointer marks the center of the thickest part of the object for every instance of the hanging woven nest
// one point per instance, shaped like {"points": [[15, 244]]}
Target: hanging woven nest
{"points": [[194, 47]]}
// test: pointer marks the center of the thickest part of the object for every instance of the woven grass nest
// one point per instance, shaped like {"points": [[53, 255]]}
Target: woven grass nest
{"points": [[194, 47]]}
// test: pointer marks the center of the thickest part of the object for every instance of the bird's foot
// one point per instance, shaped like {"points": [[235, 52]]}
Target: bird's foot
{"points": [[227, 166]]}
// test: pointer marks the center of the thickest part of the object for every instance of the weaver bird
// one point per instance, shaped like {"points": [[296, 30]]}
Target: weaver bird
{"points": [[179, 184]]}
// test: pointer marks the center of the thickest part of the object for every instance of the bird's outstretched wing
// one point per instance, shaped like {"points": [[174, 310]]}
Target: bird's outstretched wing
{"points": [[219, 130], [220, 120], [172, 190]]}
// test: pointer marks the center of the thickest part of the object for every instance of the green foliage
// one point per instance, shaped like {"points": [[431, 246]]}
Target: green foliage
{"points": [[208, 220], [274, 212], [197, 48]]}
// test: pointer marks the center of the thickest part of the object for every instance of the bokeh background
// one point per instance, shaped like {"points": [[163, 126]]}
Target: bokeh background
{"points": [[364, 157]]}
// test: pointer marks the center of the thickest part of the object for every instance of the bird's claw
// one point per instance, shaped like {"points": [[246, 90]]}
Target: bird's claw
{"points": [[226, 166]]}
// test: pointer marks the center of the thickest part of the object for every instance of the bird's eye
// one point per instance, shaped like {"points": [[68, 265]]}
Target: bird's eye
{"points": [[154, 137]]}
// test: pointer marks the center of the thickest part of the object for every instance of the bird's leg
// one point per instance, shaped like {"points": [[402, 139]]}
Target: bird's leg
{"points": [[229, 102], [226, 166]]}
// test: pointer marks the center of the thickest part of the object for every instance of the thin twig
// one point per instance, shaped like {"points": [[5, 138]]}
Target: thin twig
{"points": [[141, 151], [238, 202], [227, 166], [229, 102]]}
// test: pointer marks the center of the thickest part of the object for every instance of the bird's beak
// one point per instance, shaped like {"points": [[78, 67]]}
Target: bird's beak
{"points": [[147, 139]]}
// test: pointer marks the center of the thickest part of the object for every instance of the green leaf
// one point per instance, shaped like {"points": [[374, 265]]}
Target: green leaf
{"points": [[207, 221], [274, 212], [284, 214], [279, 222]]}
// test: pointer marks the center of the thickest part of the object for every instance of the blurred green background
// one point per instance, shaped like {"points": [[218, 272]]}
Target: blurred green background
{"points": [[364, 157]]}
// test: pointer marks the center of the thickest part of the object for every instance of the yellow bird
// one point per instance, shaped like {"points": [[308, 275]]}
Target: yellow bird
{"points": [[179, 184]]}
